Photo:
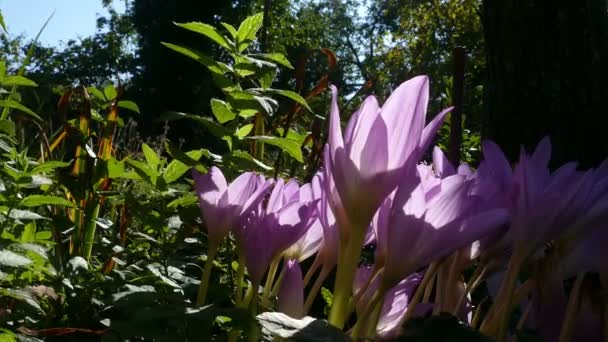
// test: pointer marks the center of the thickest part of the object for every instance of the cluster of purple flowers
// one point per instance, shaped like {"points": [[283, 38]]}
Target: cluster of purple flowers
{"points": [[428, 222]]}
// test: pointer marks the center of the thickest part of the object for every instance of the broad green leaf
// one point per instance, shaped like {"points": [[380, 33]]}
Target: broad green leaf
{"points": [[18, 106], [290, 94], [38, 200], [266, 77], [44, 235], [11, 259], [289, 146], [97, 93], [19, 214], [208, 31], [143, 170], [222, 111], [176, 168], [184, 201], [130, 105], [48, 166], [151, 157], [247, 113], [248, 30], [278, 58], [17, 81], [110, 92], [251, 160], [8, 127], [230, 29], [29, 232], [244, 131], [198, 56]]}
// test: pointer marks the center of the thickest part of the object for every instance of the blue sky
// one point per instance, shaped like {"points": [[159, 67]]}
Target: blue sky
{"points": [[72, 19]]}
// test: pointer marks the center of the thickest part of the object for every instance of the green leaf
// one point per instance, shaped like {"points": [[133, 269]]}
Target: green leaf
{"points": [[214, 128], [97, 93], [289, 146], [290, 94], [110, 92], [8, 127], [143, 170], [130, 105], [230, 29], [2, 24], [17, 81], [184, 201], [278, 58], [11, 259], [208, 31], [266, 77], [244, 131], [198, 56], [251, 160], [18, 106], [19, 214], [222, 111], [151, 157], [248, 30], [247, 113], [48, 166], [177, 168], [38, 200]]}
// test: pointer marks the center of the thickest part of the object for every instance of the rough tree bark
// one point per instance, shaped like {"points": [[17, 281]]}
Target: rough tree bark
{"points": [[547, 63]]}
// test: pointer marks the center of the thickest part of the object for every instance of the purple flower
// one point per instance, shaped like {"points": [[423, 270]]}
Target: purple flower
{"points": [[312, 239], [221, 204], [291, 292], [378, 143], [396, 301], [429, 226], [562, 205], [271, 227]]}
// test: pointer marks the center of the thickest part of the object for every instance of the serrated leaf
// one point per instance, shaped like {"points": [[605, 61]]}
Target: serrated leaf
{"points": [[266, 77], [198, 56], [48, 166], [151, 157], [278, 58], [143, 170], [248, 30], [176, 168], [222, 111], [291, 95], [17, 81], [11, 259], [231, 29], [289, 146], [184, 201], [244, 131], [110, 92], [18, 106], [38, 200], [208, 31], [130, 105]]}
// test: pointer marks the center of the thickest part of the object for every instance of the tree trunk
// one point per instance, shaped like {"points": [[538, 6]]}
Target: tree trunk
{"points": [[547, 63]]}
